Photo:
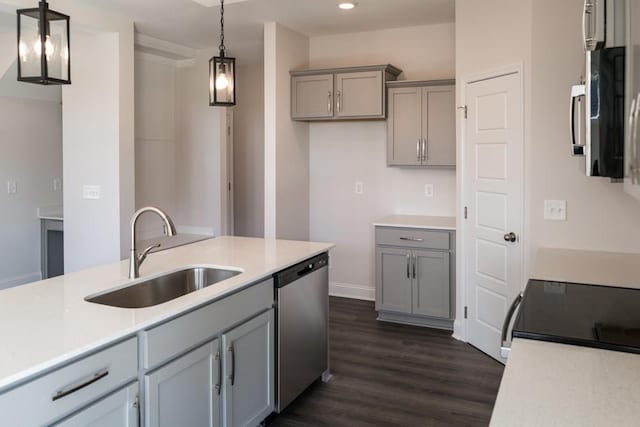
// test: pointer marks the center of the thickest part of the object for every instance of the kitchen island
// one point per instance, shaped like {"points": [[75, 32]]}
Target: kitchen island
{"points": [[553, 384], [48, 325]]}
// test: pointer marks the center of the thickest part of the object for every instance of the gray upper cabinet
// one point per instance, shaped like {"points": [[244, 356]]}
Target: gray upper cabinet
{"points": [[421, 129], [312, 96], [249, 365], [352, 93], [185, 391]]}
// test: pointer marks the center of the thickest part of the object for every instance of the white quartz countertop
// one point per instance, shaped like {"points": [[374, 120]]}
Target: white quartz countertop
{"points": [[45, 323], [590, 267], [418, 221], [549, 384]]}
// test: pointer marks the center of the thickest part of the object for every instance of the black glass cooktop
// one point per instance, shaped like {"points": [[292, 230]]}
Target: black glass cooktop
{"points": [[588, 315]]}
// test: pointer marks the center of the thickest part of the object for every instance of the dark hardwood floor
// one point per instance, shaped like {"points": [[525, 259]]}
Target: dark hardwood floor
{"points": [[395, 375]]}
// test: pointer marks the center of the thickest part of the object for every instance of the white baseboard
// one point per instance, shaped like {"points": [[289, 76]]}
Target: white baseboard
{"points": [[20, 280], [348, 290]]}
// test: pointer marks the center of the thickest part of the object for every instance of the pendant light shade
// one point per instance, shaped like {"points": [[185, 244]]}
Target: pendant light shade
{"points": [[222, 73], [43, 46]]}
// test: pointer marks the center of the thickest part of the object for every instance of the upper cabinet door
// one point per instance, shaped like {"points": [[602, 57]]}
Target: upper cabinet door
{"points": [[359, 95], [312, 96], [439, 126], [404, 127]]}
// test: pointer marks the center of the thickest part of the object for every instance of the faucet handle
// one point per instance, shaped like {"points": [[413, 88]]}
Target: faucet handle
{"points": [[144, 253]]}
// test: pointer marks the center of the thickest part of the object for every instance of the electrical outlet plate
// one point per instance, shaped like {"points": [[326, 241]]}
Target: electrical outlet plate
{"points": [[428, 190], [555, 210], [359, 187], [91, 192], [12, 187], [57, 184]]}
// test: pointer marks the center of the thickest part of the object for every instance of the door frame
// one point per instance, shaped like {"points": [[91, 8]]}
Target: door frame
{"points": [[460, 324]]}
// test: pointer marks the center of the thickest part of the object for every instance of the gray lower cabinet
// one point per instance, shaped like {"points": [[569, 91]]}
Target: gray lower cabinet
{"points": [[185, 391], [421, 128], [249, 364], [117, 409], [415, 276]]}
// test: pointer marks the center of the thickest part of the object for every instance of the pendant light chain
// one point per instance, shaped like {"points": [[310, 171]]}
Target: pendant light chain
{"points": [[221, 47]]}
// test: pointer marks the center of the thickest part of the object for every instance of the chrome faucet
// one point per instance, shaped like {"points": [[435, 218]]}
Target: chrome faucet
{"points": [[135, 259]]}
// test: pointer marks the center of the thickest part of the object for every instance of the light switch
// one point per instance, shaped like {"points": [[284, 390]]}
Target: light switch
{"points": [[12, 187], [428, 190], [91, 192], [555, 210], [359, 187]]}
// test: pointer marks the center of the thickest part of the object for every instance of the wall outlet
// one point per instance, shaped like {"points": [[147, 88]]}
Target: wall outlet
{"points": [[359, 187], [428, 190], [12, 187], [91, 192], [555, 210], [57, 184]]}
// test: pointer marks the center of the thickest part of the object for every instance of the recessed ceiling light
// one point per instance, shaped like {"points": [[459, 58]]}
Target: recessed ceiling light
{"points": [[347, 5]]}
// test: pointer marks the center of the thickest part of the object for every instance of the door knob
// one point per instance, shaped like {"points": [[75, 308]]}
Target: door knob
{"points": [[510, 237]]}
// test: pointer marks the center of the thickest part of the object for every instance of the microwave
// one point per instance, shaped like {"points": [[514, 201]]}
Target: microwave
{"points": [[597, 107]]}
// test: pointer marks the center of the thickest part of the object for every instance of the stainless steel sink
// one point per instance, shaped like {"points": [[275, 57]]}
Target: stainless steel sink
{"points": [[162, 289]]}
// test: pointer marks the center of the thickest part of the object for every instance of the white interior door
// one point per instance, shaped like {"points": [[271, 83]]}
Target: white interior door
{"points": [[494, 200]]}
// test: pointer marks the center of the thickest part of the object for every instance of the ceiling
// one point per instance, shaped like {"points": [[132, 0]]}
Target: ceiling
{"points": [[190, 23]]}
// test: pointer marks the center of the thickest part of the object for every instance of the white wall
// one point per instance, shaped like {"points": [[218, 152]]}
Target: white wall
{"points": [[155, 148], [32, 157], [249, 151], [179, 145], [342, 153], [286, 142]]}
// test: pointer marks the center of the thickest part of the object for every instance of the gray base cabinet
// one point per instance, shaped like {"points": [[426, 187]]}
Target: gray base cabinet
{"points": [[185, 392], [248, 367], [415, 276], [118, 409]]}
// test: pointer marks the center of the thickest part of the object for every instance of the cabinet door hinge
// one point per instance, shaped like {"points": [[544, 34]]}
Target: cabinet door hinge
{"points": [[465, 212], [464, 107], [465, 312]]}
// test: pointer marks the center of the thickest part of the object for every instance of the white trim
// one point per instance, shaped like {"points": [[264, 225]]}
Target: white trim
{"points": [[20, 280], [460, 329], [163, 48], [349, 290]]}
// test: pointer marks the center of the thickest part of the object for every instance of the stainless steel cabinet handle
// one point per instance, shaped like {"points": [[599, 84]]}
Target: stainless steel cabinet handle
{"points": [[505, 349], [80, 384], [232, 377], [415, 261], [418, 153], [219, 383], [329, 102], [339, 100], [425, 149], [412, 239], [408, 262], [577, 92]]}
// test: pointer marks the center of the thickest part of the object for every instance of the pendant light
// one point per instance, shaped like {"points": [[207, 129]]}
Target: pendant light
{"points": [[43, 46], [222, 73]]}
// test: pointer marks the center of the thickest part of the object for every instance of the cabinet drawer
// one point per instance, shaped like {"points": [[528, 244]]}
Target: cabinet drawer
{"points": [[412, 237], [172, 338], [64, 390]]}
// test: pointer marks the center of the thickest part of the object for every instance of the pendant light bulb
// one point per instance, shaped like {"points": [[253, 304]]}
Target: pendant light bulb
{"points": [[49, 49], [221, 81]]}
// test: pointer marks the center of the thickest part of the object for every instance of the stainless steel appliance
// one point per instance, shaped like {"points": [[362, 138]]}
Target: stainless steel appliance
{"points": [[302, 294], [571, 313], [597, 104]]}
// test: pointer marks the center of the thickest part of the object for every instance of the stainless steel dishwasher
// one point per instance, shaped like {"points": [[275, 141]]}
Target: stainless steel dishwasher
{"points": [[302, 294]]}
